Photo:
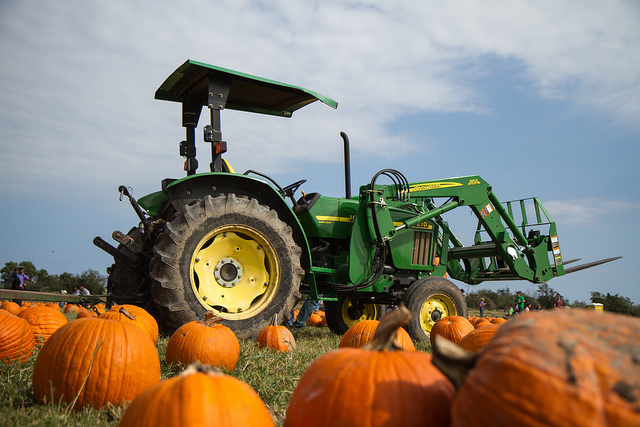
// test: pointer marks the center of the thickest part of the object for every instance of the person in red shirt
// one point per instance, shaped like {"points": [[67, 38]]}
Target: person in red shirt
{"points": [[558, 302]]}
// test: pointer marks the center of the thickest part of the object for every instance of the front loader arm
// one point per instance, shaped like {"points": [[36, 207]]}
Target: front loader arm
{"points": [[506, 253]]}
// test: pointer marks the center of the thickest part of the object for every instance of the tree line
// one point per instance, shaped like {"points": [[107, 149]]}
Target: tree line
{"points": [[545, 295], [45, 282]]}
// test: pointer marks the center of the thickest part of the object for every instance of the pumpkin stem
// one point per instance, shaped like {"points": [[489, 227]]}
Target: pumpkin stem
{"points": [[274, 320], [200, 367], [211, 319], [453, 361], [387, 330], [126, 313]]}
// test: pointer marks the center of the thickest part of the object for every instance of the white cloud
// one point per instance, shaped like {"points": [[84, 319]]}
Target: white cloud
{"points": [[590, 211], [78, 78]]}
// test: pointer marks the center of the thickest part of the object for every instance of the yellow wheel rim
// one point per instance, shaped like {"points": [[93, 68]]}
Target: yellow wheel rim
{"points": [[351, 316], [434, 309], [234, 271]]}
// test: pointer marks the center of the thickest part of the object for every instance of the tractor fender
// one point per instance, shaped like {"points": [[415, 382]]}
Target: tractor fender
{"points": [[185, 190]]}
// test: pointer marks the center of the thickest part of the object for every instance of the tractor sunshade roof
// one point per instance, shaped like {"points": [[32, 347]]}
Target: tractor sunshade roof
{"points": [[235, 90]]}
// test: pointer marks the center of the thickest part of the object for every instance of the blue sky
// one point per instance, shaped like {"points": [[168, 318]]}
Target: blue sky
{"points": [[540, 98]]}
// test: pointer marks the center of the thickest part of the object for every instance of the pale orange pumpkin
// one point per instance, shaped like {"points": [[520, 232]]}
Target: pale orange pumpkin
{"points": [[199, 396], [209, 342], [554, 368]]}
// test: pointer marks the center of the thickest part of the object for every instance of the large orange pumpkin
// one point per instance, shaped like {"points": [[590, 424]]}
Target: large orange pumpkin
{"points": [[44, 321], [555, 368], [16, 338], [199, 396], [375, 385], [209, 342], [453, 328], [99, 361], [362, 332], [136, 315], [277, 337]]}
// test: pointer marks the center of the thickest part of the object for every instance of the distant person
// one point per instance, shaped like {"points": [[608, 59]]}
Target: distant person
{"points": [[308, 307], [18, 279], [84, 291], [557, 303], [76, 290], [481, 306], [520, 302], [527, 308]]}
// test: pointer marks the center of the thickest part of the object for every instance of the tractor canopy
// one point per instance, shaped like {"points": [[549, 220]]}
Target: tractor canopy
{"points": [[228, 89]]}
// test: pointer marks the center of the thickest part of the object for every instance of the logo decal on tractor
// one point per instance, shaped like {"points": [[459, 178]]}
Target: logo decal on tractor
{"points": [[323, 219], [433, 186]]}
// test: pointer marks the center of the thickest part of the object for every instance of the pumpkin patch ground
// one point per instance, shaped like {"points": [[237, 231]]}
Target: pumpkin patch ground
{"points": [[274, 376]]}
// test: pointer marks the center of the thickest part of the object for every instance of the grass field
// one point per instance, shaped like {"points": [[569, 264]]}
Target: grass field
{"points": [[271, 374]]}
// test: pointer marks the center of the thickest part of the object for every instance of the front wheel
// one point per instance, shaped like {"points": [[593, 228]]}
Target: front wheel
{"points": [[228, 255], [429, 300], [344, 313]]}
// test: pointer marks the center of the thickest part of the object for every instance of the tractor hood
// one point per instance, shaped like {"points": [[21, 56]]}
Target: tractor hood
{"points": [[245, 92]]}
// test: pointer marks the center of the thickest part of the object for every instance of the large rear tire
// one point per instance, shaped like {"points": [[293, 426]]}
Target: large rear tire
{"points": [[344, 313], [429, 300], [228, 255]]}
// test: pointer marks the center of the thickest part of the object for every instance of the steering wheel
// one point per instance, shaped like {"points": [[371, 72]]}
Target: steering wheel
{"points": [[290, 189]]}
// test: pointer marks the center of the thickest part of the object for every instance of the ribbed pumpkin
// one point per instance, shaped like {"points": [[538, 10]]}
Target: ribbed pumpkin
{"points": [[135, 315], [554, 368], [362, 332], [453, 328], [481, 323], [44, 321], [116, 359], [11, 307], [277, 337], [199, 396], [209, 342], [498, 320], [16, 338], [375, 385], [479, 337]]}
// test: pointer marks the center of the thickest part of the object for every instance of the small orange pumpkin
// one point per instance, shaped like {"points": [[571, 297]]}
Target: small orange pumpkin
{"points": [[133, 314], [16, 338], [374, 385], [362, 332], [479, 337], [44, 321], [11, 307], [277, 337], [99, 361], [209, 342], [212, 399], [453, 328]]}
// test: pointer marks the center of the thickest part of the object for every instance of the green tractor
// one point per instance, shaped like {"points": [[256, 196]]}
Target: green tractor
{"points": [[242, 246]]}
